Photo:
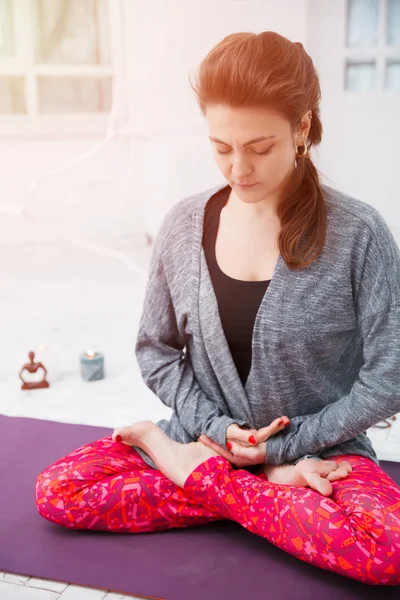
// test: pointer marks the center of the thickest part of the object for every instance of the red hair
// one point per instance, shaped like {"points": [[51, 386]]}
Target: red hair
{"points": [[268, 70]]}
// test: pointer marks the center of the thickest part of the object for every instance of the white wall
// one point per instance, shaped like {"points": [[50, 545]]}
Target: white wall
{"points": [[169, 42], [86, 199], [169, 155], [360, 148], [360, 152]]}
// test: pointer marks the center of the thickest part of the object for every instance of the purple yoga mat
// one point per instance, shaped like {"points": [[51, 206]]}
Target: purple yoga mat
{"points": [[218, 561]]}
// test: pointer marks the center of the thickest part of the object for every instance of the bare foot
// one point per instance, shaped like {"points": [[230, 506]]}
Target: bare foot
{"points": [[176, 461], [283, 474], [309, 473]]}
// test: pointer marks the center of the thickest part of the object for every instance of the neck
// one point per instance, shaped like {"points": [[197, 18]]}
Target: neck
{"points": [[260, 212]]}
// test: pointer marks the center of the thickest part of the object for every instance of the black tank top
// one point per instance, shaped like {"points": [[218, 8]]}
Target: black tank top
{"points": [[238, 301]]}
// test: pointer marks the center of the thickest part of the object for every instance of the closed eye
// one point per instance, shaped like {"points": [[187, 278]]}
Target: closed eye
{"points": [[259, 153]]}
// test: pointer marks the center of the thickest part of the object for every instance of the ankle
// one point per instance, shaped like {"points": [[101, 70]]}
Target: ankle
{"points": [[279, 473]]}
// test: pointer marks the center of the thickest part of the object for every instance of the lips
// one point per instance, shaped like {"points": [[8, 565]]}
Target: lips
{"points": [[247, 185]]}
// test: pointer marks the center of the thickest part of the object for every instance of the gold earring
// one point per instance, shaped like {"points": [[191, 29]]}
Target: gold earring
{"points": [[301, 155], [304, 153]]}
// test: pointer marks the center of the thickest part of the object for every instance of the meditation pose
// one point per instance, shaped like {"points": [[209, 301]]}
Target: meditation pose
{"points": [[271, 328], [33, 367]]}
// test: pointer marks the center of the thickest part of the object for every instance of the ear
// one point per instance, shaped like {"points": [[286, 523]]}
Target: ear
{"points": [[304, 126], [306, 123]]}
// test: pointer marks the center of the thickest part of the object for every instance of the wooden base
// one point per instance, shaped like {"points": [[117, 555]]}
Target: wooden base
{"points": [[34, 385]]}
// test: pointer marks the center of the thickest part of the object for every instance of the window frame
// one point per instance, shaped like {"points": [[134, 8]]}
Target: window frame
{"points": [[59, 125], [380, 54]]}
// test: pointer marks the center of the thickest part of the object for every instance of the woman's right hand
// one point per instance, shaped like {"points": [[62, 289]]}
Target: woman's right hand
{"points": [[316, 474], [244, 446], [243, 436]]}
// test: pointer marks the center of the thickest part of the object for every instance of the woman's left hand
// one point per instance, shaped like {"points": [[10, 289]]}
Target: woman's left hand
{"points": [[254, 455], [243, 456]]}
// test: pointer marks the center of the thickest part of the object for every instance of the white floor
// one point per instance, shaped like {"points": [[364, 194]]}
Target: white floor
{"points": [[65, 299]]}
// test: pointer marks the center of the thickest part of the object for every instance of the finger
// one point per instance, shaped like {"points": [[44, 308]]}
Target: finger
{"points": [[246, 437], [240, 451], [203, 439], [244, 457], [277, 425]]}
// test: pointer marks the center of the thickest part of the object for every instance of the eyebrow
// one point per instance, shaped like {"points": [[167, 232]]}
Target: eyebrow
{"points": [[259, 139]]}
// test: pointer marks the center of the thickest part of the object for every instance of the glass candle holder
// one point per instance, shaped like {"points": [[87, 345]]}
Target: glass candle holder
{"points": [[92, 365]]}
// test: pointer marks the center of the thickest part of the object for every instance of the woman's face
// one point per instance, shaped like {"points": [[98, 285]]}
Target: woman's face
{"points": [[266, 162]]}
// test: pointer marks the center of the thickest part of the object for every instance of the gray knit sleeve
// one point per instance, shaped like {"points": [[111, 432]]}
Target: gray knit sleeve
{"points": [[375, 394], [313, 456], [165, 368]]}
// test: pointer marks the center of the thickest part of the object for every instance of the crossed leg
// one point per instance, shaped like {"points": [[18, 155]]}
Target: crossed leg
{"points": [[104, 485]]}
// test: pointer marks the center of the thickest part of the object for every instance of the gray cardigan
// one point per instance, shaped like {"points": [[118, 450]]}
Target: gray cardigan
{"points": [[326, 339]]}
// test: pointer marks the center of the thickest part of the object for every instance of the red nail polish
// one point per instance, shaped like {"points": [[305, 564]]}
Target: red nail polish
{"points": [[229, 446], [118, 438], [252, 440], [280, 422]]}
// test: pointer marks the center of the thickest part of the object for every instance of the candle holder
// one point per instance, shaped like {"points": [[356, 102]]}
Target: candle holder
{"points": [[92, 365]]}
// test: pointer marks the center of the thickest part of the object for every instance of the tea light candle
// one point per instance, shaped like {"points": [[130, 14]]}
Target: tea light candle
{"points": [[92, 365]]}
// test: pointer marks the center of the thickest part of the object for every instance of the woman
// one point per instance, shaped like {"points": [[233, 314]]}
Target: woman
{"points": [[280, 298]]}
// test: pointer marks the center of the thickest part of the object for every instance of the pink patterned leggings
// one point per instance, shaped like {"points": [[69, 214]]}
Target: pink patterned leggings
{"points": [[354, 532]]}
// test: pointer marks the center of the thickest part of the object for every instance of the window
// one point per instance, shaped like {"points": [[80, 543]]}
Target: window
{"points": [[372, 46], [60, 61]]}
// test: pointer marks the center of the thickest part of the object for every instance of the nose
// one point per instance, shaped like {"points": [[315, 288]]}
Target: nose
{"points": [[241, 169]]}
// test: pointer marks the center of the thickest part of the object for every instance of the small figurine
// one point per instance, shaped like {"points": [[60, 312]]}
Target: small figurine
{"points": [[32, 367], [379, 426]]}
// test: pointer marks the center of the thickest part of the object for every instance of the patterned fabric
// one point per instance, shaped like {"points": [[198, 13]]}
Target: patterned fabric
{"points": [[354, 532]]}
